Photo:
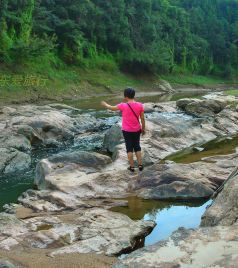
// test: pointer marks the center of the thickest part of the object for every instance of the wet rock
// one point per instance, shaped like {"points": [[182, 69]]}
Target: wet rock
{"points": [[16, 141], [205, 247], [87, 122], [224, 209], [13, 161], [14, 152], [112, 138], [89, 141]]}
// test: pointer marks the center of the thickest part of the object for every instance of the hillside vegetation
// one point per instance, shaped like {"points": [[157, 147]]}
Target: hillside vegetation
{"points": [[65, 41]]}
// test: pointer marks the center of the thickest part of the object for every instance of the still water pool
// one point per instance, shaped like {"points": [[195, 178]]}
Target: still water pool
{"points": [[169, 216]]}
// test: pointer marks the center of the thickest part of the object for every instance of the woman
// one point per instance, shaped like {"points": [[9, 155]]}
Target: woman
{"points": [[132, 114]]}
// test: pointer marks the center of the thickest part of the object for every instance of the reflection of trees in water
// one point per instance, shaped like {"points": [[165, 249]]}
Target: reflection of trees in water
{"points": [[137, 208], [220, 146]]}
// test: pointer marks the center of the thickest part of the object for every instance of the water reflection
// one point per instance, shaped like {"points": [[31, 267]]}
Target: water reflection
{"points": [[169, 216], [170, 219], [94, 102], [220, 146]]}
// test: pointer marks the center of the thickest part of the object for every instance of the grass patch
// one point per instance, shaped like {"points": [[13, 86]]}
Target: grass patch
{"points": [[232, 92], [67, 82], [197, 80], [64, 82]]}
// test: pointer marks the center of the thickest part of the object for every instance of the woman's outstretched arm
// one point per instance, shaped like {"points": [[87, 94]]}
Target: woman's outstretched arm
{"points": [[107, 106]]}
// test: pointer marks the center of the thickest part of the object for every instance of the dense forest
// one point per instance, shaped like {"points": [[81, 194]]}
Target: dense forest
{"points": [[154, 36]]}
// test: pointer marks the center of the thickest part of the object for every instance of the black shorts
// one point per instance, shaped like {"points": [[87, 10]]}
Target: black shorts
{"points": [[132, 140]]}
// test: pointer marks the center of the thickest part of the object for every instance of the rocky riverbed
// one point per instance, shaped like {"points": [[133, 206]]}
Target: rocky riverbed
{"points": [[68, 213]]}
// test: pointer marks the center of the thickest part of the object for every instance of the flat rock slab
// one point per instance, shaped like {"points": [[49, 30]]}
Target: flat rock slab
{"points": [[84, 231], [203, 248]]}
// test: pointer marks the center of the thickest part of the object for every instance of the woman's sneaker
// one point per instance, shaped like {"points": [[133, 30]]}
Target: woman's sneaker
{"points": [[141, 167], [131, 169]]}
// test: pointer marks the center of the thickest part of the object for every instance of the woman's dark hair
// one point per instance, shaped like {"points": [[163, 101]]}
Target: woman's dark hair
{"points": [[129, 93]]}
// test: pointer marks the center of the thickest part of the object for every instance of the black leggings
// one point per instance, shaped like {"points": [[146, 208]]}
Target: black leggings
{"points": [[132, 140]]}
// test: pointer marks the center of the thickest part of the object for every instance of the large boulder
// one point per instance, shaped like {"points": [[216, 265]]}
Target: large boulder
{"points": [[196, 107], [183, 181], [209, 105], [112, 138], [205, 247], [14, 140], [224, 209], [66, 163], [14, 152], [48, 123], [164, 86]]}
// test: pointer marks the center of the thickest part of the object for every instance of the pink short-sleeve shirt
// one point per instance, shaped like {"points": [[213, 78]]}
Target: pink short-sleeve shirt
{"points": [[129, 121]]}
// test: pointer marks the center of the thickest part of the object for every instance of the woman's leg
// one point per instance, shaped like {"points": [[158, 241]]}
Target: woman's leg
{"points": [[139, 158], [137, 148], [130, 159], [128, 136]]}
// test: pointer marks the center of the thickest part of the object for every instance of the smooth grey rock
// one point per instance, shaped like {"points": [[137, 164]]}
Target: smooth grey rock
{"points": [[224, 209], [60, 164], [112, 138], [94, 230], [13, 161], [183, 181], [16, 141], [205, 107]]}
